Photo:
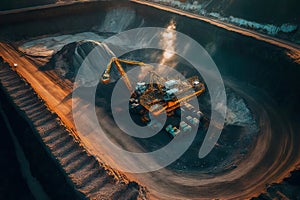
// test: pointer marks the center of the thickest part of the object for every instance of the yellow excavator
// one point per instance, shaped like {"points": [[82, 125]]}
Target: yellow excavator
{"points": [[160, 94]]}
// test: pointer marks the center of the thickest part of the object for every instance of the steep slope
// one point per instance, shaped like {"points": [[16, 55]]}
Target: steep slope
{"points": [[89, 176], [8, 4]]}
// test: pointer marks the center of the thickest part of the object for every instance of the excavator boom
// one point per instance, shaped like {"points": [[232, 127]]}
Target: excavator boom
{"points": [[106, 76]]}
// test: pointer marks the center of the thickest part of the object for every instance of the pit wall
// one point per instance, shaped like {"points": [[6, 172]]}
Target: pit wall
{"points": [[57, 160]]}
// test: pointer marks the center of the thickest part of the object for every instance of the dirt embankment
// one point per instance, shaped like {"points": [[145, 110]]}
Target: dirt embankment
{"points": [[287, 189], [63, 167]]}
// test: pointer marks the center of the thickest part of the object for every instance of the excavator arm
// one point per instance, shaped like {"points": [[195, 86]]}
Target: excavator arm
{"points": [[124, 75], [106, 75]]}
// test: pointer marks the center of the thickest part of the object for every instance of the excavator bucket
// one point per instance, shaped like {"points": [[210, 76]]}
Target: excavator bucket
{"points": [[105, 78]]}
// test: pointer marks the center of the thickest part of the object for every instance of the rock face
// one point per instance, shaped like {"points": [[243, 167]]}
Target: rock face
{"points": [[87, 175], [273, 18], [9, 4], [261, 11], [68, 60], [120, 19], [239, 114], [287, 189], [47, 46], [265, 11], [83, 62]]}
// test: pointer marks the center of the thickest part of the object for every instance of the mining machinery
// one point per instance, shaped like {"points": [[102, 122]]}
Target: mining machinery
{"points": [[160, 95]]}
